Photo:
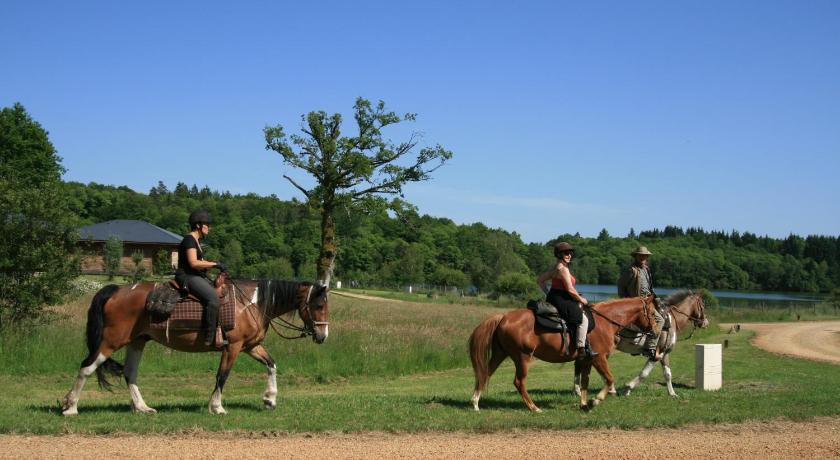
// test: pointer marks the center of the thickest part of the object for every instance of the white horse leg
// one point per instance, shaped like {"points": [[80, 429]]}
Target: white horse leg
{"points": [[642, 375], [475, 397], [666, 371], [270, 395], [68, 404], [134, 352]]}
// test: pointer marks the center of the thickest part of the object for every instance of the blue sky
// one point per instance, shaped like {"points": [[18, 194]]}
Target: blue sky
{"points": [[563, 116]]}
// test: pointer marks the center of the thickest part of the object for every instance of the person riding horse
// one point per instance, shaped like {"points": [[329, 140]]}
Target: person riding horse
{"points": [[566, 298], [191, 274], [636, 281]]}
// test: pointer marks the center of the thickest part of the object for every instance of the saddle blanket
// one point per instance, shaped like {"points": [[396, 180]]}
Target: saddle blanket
{"points": [[187, 314]]}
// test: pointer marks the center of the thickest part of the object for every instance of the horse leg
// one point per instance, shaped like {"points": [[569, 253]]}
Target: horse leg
{"points": [[225, 364], [521, 364], [600, 363], [133, 353], [642, 375], [270, 396], [496, 358], [70, 401], [585, 369], [666, 371], [576, 383]]}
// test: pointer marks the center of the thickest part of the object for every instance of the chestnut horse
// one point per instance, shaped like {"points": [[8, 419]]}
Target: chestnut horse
{"points": [[117, 317], [514, 334], [683, 306]]}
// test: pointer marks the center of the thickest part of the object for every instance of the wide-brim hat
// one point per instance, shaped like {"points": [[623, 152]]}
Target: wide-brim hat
{"points": [[642, 250], [561, 247]]}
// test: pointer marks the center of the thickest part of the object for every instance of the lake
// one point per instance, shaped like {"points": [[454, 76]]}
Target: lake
{"points": [[735, 299]]}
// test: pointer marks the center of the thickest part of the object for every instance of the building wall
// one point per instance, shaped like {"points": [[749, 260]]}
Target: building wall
{"points": [[93, 261]]}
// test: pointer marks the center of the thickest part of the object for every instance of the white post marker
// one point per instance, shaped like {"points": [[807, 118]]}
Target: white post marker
{"points": [[708, 366], [338, 284]]}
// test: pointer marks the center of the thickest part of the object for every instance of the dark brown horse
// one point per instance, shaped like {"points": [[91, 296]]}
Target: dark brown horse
{"points": [[515, 335], [117, 317], [684, 308]]}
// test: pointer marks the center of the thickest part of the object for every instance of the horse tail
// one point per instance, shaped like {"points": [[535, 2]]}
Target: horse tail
{"points": [[95, 328], [481, 347]]}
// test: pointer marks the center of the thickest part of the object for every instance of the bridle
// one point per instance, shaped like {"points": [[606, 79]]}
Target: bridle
{"points": [[308, 328], [623, 326], [694, 319]]}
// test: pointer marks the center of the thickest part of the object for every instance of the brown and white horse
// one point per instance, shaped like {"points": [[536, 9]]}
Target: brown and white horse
{"points": [[514, 334], [684, 307], [117, 318]]}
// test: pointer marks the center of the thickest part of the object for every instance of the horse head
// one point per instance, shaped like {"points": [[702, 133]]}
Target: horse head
{"points": [[690, 306], [698, 311], [314, 311]]}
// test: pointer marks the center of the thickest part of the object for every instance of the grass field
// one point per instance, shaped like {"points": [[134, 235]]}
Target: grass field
{"points": [[391, 367]]}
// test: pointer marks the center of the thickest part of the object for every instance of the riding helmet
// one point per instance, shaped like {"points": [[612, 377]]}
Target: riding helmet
{"points": [[200, 217]]}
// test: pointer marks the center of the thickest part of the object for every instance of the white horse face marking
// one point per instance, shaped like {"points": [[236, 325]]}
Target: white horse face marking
{"points": [[254, 296]]}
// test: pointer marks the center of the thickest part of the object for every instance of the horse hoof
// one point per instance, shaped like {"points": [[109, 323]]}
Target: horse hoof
{"points": [[144, 410], [269, 405], [585, 407], [218, 411], [71, 411], [537, 409]]}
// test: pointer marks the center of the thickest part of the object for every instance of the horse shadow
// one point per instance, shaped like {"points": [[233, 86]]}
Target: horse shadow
{"points": [[118, 408], [547, 399]]}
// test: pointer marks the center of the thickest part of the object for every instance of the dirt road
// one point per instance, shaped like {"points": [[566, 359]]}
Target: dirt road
{"points": [[817, 340], [818, 438]]}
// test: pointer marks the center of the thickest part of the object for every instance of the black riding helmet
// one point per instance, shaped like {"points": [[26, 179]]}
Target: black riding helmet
{"points": [[200, 217]]}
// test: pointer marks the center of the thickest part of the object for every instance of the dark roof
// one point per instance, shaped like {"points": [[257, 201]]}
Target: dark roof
{"points": [[128, 231]]}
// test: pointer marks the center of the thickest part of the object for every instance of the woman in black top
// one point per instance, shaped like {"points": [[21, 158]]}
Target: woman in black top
{"points": [[192, 272]]}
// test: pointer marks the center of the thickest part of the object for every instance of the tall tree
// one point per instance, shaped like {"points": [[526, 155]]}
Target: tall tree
{"points": [[37, 239], [351, 171]]}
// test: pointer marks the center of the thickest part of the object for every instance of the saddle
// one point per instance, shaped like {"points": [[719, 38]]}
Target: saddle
{"points": [[547, 316], [171, 307]]}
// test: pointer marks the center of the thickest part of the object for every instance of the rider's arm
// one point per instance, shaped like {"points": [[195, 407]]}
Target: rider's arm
{"points": [[566, 280], [542, 279], [192, 259]]}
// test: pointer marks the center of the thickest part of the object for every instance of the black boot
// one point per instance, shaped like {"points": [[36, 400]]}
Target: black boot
{"points": [[211, 317], [589, 352]]}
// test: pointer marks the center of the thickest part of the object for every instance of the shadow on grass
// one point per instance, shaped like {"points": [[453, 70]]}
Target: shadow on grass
{"points": [[544, 398], [116, 408]]}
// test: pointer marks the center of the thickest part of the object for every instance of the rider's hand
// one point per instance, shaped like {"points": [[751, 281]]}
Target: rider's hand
{"points": [[583, 300], [221, 267]]}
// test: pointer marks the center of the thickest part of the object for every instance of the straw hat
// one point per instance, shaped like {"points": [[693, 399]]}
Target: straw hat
{"points": [[642, 250]]}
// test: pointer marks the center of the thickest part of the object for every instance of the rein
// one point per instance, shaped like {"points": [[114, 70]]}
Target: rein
{"points": [[694, 320], [616, 323], [305, 331]]}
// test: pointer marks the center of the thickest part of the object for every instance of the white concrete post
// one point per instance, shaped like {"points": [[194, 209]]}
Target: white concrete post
{"points": [[708, 366], [338, 284]]}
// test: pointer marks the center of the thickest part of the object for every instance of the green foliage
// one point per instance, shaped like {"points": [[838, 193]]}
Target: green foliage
{"points": [[709, 299], [37, 240], [113, 256], [516, 285], [139, 271], [162, 263]]}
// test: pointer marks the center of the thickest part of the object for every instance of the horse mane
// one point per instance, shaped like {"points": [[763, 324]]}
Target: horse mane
{"points": [[274, 294], [677, 297]]}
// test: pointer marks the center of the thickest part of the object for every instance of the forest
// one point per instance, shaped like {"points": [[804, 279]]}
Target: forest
{"points": [[266, 237]]}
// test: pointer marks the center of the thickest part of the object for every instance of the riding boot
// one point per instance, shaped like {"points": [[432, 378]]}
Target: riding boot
{"points": [[211, 318], [588, 351]]}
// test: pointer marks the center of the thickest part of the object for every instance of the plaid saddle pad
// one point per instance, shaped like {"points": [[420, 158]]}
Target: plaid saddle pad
{"points": [[187, 314]]}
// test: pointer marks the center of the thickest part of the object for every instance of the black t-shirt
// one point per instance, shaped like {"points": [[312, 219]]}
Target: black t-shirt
{"points": [[189, 242]]}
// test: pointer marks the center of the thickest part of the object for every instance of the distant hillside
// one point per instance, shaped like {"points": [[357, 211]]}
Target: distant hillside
{"points": [[267, 237]]}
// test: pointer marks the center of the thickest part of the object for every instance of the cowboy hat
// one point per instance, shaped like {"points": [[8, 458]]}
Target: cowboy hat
{"points": [[643, 250]]}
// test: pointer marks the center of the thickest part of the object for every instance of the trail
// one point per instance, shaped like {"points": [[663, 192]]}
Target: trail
{"points": [[816, 340]]}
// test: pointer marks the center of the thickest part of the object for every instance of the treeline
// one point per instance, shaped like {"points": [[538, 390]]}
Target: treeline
{"points": [[266, 237]]}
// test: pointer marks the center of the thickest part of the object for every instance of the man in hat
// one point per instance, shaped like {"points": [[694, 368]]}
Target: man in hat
{"points": [[636, 281]]}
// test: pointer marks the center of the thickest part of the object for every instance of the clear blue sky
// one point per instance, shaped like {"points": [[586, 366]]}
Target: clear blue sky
{"points": [[563, 116]]}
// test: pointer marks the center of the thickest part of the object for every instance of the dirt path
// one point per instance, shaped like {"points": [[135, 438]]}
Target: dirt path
{"points": [[817, 340], [819, 438], [365, 297], [777, 439]]}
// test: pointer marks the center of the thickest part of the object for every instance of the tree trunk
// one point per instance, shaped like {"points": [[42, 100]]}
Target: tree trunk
{"points": [[326, 259]]}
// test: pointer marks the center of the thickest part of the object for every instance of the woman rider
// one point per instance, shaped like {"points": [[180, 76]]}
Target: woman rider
{"points": [[566, 298], [192, 272]]}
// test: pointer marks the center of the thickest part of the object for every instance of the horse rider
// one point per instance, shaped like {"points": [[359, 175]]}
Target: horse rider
{"points": [[636, 281], [192, 272], [566, 298]]}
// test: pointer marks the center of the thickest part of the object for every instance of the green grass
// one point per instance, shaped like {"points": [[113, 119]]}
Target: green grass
{"points": [[392, 367]]}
